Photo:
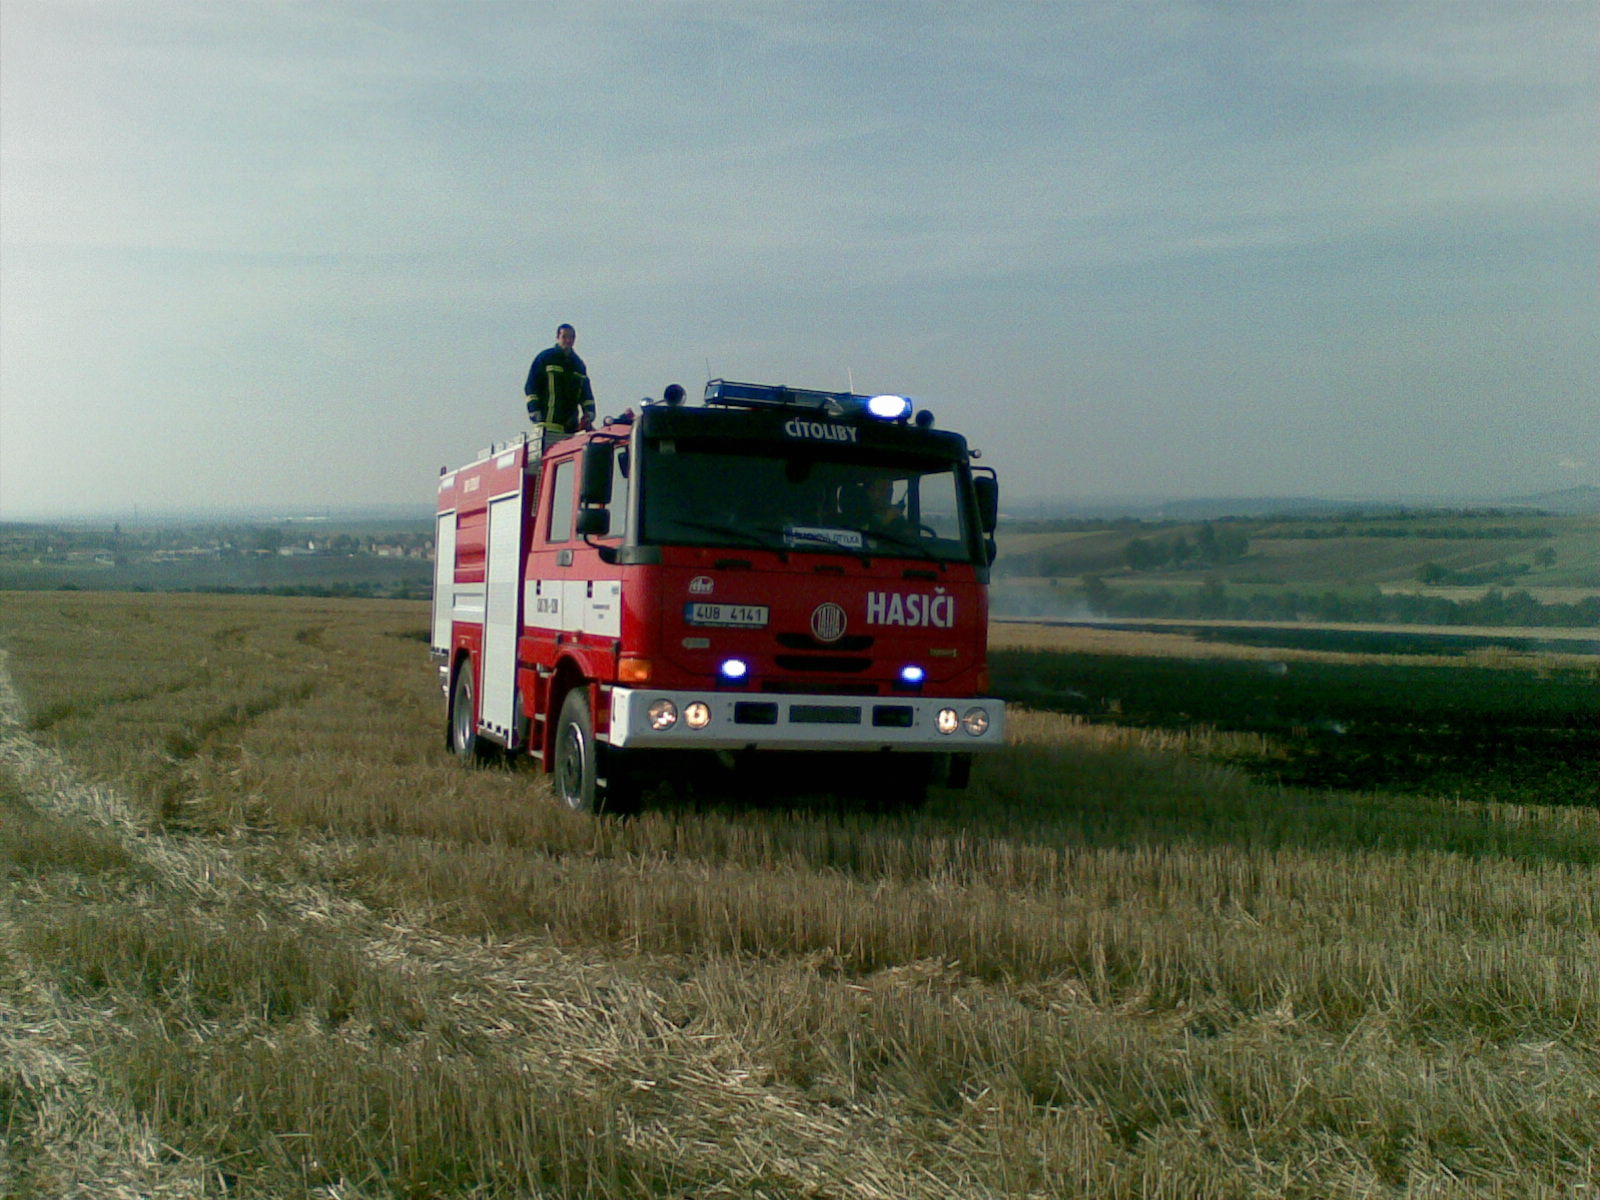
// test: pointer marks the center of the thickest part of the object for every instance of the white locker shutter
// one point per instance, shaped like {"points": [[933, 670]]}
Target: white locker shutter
{"points": [[502, 617]]}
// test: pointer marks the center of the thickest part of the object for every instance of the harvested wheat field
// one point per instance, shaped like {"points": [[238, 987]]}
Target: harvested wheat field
{"points": [[261, 937]]}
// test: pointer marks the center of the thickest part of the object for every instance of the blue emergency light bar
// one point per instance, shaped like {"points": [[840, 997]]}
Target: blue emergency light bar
{"points": [[726, 393], [771, 395]]}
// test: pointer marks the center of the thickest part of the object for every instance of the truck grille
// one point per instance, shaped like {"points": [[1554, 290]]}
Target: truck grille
{"points": [[765, 712], [855, 643], [833, 663]]}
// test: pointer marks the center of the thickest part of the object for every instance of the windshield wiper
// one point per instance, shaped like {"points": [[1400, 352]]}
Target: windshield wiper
{"points": [[739, 533], [910, 543], [756, 537]]}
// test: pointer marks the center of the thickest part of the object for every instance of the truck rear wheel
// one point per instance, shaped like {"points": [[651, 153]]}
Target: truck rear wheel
{"points": [[462, 730]]}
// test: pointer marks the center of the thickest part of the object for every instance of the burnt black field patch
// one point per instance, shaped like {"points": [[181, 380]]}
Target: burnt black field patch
{"points": [[1513, 734]]}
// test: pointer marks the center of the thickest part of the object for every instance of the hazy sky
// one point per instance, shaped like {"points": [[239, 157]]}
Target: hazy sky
{"points": [[300, 255]]}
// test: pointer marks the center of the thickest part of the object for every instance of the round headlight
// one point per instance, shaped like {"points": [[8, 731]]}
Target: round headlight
{"points": [[947, 720], [697, 715], [734, 669], [663, 714], [912, 676], [976, 721]]}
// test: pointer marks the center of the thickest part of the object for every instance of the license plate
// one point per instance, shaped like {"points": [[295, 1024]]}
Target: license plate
{"points": [[750, 616]]}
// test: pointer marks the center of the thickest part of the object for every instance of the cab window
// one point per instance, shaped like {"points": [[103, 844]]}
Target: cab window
{"points": [[618, 508], [563, 487]]}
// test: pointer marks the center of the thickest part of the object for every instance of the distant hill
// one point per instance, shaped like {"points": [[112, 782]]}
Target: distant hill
{"points": [[1503, 545], [1572, 502]]}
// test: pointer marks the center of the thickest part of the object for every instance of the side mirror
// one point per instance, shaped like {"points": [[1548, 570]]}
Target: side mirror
{"points": [[987, 490], [593, 522], [595, 485]]}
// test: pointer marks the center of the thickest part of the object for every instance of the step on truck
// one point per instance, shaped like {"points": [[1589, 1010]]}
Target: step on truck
{"points": [[773, 572]]}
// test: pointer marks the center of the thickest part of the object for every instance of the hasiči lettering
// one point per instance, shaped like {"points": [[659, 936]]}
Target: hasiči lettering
{"points": [[915, 610]]}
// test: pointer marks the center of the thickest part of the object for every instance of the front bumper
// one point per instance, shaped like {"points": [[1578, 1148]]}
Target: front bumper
{"points": [[781, 721]]}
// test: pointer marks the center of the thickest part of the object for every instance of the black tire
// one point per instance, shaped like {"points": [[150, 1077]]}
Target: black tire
{"points": [[957, 772], [574, 773], [623, 788], [461, 731], [899, 782]]}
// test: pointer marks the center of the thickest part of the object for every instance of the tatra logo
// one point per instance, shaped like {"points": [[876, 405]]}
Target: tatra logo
{"points": [[828, 622], [819, 431], [918, 609], [701, 585]]}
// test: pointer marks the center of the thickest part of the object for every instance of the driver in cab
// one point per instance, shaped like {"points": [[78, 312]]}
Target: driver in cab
{"points": [[871, 508]]}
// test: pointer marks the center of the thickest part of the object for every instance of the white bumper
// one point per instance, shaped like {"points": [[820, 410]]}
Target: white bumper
{"points": [[781, 721]]}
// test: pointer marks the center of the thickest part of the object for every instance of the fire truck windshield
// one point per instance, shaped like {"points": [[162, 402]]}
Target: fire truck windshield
{"points": [[759, 496]]}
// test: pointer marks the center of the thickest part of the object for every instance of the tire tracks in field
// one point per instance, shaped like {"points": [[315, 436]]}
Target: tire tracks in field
{"points": [[191, 740], [91, 1144], [98, 1147], [571, 1019], [48, 718]]}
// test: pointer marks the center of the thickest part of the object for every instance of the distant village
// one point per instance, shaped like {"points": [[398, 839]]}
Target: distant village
{"points": [[115, 546], [287, 557]]}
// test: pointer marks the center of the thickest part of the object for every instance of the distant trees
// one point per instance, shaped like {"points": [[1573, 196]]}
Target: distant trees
{"points": [[1431, 574], [1369, 605], [265, 537], [1214, 546], [1097, 593], [1140, 555]]}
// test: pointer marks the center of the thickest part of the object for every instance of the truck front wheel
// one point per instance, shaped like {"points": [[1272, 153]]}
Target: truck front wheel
{"points": [[579, 761], [575, 776]]}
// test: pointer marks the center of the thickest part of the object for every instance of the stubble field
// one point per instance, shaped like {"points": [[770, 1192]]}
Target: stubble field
{"points": [[261, 937]]}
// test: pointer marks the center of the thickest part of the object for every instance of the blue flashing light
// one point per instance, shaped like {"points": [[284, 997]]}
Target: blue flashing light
{"points": [[735, 670], [727, 393], [889, 408], [912, 676]]}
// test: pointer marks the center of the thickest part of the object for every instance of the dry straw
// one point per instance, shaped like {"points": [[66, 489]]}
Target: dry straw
{"points": [[263, 938]]}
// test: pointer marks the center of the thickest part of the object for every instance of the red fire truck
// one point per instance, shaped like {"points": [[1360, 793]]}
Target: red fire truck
{"points": [[774, 571]]}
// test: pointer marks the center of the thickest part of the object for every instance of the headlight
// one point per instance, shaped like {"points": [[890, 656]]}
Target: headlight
{"points": [[697, 715], [976, 721], [947, 721], [912, 676], [735, 670], [663, 714]]}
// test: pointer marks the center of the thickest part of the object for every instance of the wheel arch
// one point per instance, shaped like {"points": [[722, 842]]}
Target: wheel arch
{"points": [[568, 677]]}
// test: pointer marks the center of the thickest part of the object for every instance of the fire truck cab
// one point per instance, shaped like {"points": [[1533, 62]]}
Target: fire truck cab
{"points": [[775, 570]]}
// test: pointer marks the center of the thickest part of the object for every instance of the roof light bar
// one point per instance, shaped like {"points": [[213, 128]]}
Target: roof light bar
{"points": [[769, 395], [727, 393]]}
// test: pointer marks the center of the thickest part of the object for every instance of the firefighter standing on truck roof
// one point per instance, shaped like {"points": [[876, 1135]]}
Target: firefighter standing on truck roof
{"points": [[558, 392]]}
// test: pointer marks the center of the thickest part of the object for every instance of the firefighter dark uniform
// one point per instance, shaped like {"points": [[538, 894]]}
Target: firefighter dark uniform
{"points": [[558, 391]]}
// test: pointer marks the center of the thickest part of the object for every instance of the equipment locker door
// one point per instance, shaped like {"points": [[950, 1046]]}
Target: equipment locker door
{"points": [[444, 581], [502, 618]]}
